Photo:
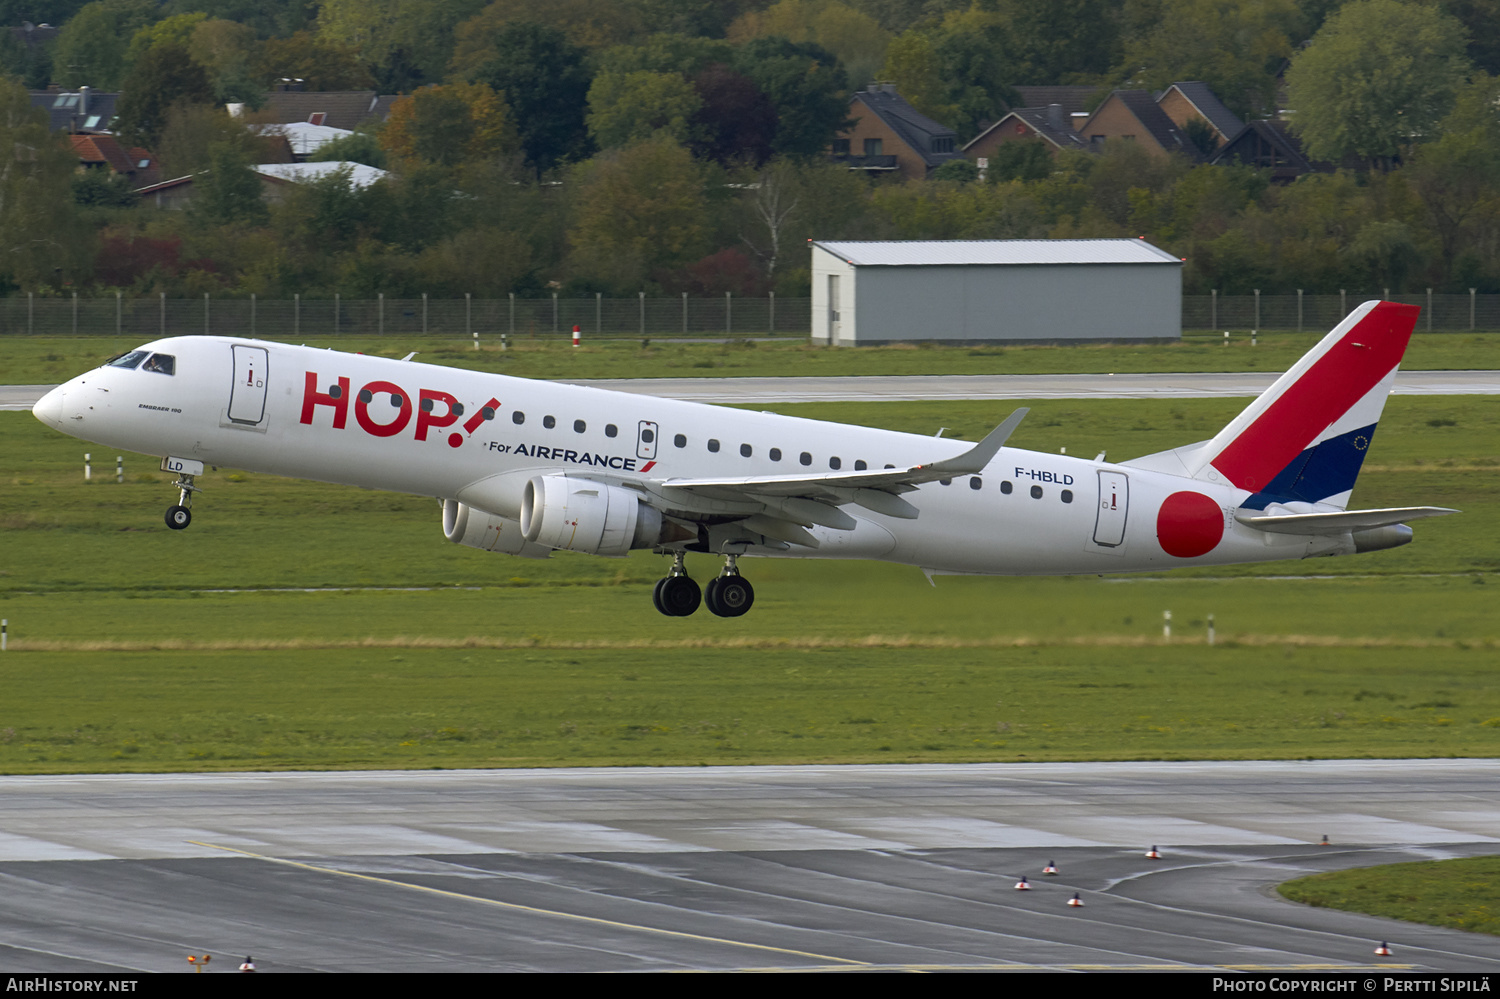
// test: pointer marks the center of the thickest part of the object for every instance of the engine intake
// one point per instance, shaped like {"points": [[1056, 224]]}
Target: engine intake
{"points": [[464, 525], [582, 515]]}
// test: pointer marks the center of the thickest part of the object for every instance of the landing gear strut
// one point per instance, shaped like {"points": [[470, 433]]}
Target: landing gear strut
{"points": [[729, 594], [677, 595], [181, 516]]}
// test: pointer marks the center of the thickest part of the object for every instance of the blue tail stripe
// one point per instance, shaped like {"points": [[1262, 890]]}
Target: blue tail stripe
{"points": [[1319, 472]]}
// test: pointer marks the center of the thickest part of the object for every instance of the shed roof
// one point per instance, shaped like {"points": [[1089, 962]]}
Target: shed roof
{"points": [[995, 252]]}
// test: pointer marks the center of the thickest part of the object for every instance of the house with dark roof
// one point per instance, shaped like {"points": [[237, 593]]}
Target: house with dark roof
{"points": [[891, 136], [1049, 125], [1268, 145], [81, 110], [346, 109], [1134, 116], [1184, 102]]}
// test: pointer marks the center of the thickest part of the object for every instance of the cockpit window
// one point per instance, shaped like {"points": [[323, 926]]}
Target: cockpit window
{"points": [[129, 360], [162, 364]]}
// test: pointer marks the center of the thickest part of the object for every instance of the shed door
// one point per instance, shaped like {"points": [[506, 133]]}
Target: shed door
{"points": [[1114, 498], [834, 325], [247, 395]]}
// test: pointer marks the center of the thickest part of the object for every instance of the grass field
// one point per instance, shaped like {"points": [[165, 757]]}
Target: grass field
{"points": [[135, 648], [45, 360], [1461, 894]]}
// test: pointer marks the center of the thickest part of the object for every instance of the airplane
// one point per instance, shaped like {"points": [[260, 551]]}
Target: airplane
{"points": [[528, 467]]}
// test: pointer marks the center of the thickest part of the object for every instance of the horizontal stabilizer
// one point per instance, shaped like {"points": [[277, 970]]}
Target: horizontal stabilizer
{"points": [[1337, 523]]}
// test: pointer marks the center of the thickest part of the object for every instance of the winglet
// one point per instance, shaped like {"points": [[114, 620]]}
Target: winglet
{"points": [[974, 460]]}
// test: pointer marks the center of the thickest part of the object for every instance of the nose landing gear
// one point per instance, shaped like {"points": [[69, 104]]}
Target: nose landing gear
{"points": [[187, 469], [181, 516]]}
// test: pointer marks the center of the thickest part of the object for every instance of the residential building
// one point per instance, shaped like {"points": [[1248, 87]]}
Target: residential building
{"points": [[891, 136]]}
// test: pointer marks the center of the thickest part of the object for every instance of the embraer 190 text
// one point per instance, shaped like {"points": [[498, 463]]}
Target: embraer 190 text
{"points": [[528, 467]]}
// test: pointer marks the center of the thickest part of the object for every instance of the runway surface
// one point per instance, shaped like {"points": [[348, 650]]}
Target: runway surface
{"points": [[833, 868], [902, 388]]}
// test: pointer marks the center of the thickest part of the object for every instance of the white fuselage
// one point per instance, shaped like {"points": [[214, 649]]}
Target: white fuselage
{"points": [[330, 416]]}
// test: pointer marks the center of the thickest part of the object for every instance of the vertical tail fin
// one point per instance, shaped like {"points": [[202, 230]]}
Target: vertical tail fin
{"points": [[1306, 436]]}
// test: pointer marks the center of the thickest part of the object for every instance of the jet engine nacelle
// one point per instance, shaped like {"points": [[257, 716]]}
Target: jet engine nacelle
{"points": [[464, 525], [582, 515]]}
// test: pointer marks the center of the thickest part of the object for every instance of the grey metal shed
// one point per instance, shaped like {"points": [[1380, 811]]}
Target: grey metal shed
{"points": [[994, 290]]}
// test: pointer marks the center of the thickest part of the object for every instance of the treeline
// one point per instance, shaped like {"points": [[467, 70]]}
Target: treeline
{"points": [[676, 145]]}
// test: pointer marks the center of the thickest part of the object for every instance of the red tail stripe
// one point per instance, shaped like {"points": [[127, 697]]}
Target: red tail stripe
{"points": [[1325, 392]]}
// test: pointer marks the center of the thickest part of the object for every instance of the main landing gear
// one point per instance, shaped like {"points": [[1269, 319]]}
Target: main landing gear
{"points": [[181, 516], [728, 595]]}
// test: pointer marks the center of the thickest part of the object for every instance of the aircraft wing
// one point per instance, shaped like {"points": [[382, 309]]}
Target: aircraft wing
{"points": [[971, 462], [1339, 523], [780, 505]]}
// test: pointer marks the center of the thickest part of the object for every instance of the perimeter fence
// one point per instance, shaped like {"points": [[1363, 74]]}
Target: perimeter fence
{"points": [[466, 317], [727, 316]]}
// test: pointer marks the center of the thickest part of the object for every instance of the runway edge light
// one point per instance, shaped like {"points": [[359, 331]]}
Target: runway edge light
{"points": [[1076, 902]]}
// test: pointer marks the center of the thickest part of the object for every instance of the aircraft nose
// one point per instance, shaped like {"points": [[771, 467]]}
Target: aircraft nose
{"points": [[49, 408]]}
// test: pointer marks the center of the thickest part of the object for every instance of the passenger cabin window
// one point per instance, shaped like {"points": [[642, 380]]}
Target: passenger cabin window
{"points": [[775, 454], [162, 364], [860, 466], [130, 360], [713, 445], [549, 422], [745, 450], [835, 463], [976, 483], [610, 430], [805, 458], [518, 417], [579, 426], [680, 440]]}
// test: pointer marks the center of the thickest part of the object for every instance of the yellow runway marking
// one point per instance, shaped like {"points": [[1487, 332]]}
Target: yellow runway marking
{"points": [[841, 961]]}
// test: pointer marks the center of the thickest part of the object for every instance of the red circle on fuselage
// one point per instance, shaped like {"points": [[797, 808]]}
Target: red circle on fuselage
{"points": [[1189, 525]]}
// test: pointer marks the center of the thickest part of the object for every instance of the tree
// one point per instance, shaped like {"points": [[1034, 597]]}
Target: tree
{"points": [[912, 65], [228, 50], [806, 85], [90, 49], [448, 125], [736, 122], [408, 42], [628, 107], [638, 211], [1457, 177], [356, 147], [589, 24], [322, 64], [164, 77], [855, 38], [1234, 47], [39, 234], [1063, 41], [230, 192], [545, 79], [1379, 75]]}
